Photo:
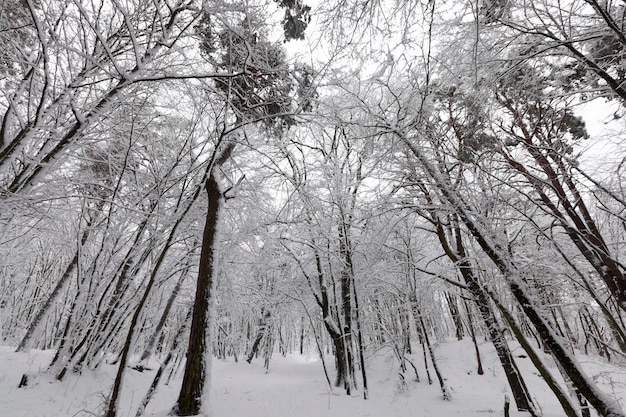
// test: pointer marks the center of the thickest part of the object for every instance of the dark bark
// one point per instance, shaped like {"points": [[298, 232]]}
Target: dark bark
{"points": [[190, 399], [406, 329], [516, 382], [360, 340], [507, 405], [330, 323], [302, 336], [347, 283], [341, 363], [567, 206], [603, 405], [330, 317]]}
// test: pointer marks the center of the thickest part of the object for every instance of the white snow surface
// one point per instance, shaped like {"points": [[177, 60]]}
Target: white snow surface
{"points": [[295, 386]]}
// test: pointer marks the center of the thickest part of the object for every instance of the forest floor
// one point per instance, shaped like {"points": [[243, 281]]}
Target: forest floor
{"points": [[295, 386]]}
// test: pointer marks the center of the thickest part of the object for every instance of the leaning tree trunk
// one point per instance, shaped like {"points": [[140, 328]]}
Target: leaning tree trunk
{"points": [[569, 209], [567, 405], [194, 392], [603, 404], [516, 382], [453, 246], [37, 322]]}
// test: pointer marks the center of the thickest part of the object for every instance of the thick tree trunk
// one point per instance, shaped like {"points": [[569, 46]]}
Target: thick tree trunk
{"points": [[193, 393], [361, 347], [347, 282], [341, 362], [329, 318]]}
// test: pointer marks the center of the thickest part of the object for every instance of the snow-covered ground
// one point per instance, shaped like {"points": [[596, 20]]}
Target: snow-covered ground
{"points": [[295, 386]]}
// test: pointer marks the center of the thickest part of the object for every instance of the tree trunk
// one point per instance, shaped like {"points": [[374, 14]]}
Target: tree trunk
{"points": [[455, 250], [516, 382], [302, 336], [263, 324], [133, 326], [572, 215], [193, 397], [360, 341], [501, 259], [347, 282], [164, 365], [539, 365]]}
